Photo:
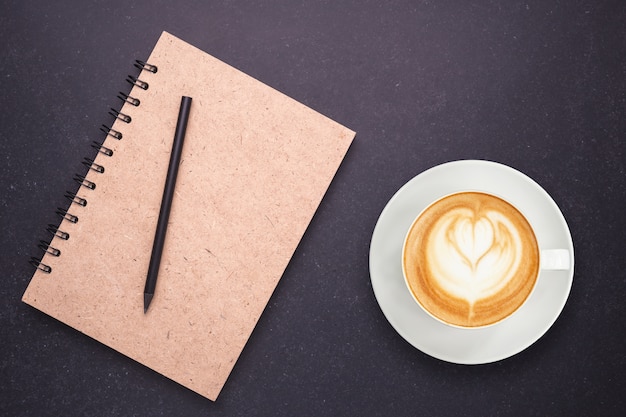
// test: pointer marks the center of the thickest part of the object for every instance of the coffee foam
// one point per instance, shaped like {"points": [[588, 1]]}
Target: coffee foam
{"points": [[471, 259]]}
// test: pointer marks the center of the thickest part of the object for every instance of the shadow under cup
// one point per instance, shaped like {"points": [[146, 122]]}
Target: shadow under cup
{"points": [[471, 259]]}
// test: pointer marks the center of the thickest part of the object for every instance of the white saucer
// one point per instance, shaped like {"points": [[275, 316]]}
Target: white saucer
{"points": [[469, 346]]}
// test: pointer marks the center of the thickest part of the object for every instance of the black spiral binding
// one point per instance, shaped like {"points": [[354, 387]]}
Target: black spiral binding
{"points": [[91, 165]]}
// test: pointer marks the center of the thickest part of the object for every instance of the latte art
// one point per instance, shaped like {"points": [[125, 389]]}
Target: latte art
{"points": [[471, 259], [472, 255]]}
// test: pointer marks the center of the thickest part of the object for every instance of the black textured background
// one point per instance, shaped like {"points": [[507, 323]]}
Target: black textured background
{"points": [[540, 86]]}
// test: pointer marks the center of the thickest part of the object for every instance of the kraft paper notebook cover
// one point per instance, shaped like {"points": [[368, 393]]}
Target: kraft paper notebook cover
{"points": [[254, 168]]}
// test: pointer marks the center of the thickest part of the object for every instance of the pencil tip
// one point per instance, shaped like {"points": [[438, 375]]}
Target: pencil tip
{"points": [[147, 298]]}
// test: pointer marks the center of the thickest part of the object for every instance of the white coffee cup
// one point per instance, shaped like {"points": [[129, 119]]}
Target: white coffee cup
{"points": [[471, 259]]}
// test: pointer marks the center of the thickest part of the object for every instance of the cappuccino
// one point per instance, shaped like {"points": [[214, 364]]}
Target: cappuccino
{"points": [[470, 259]]}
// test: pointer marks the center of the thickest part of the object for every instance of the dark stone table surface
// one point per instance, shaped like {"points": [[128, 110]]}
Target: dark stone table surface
{"points": [[538, 86]]}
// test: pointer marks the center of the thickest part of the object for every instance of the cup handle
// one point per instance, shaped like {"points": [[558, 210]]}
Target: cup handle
{"points": [[555, 259]]}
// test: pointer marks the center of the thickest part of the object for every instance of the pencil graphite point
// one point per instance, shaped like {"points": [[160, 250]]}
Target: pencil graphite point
{"points": [[147, 298]]}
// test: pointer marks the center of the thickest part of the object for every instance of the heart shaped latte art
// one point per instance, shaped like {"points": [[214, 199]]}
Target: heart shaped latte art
{"points": [[473, 254]]}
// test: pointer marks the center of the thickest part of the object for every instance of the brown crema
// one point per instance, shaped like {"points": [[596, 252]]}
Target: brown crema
{"points": [[470, 259]]}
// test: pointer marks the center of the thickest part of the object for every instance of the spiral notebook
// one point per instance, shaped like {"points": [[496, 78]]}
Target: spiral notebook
{"points": [[254, 168]]}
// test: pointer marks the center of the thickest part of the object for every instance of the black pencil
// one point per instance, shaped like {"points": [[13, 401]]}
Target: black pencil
{"points": [[166, 202]]}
